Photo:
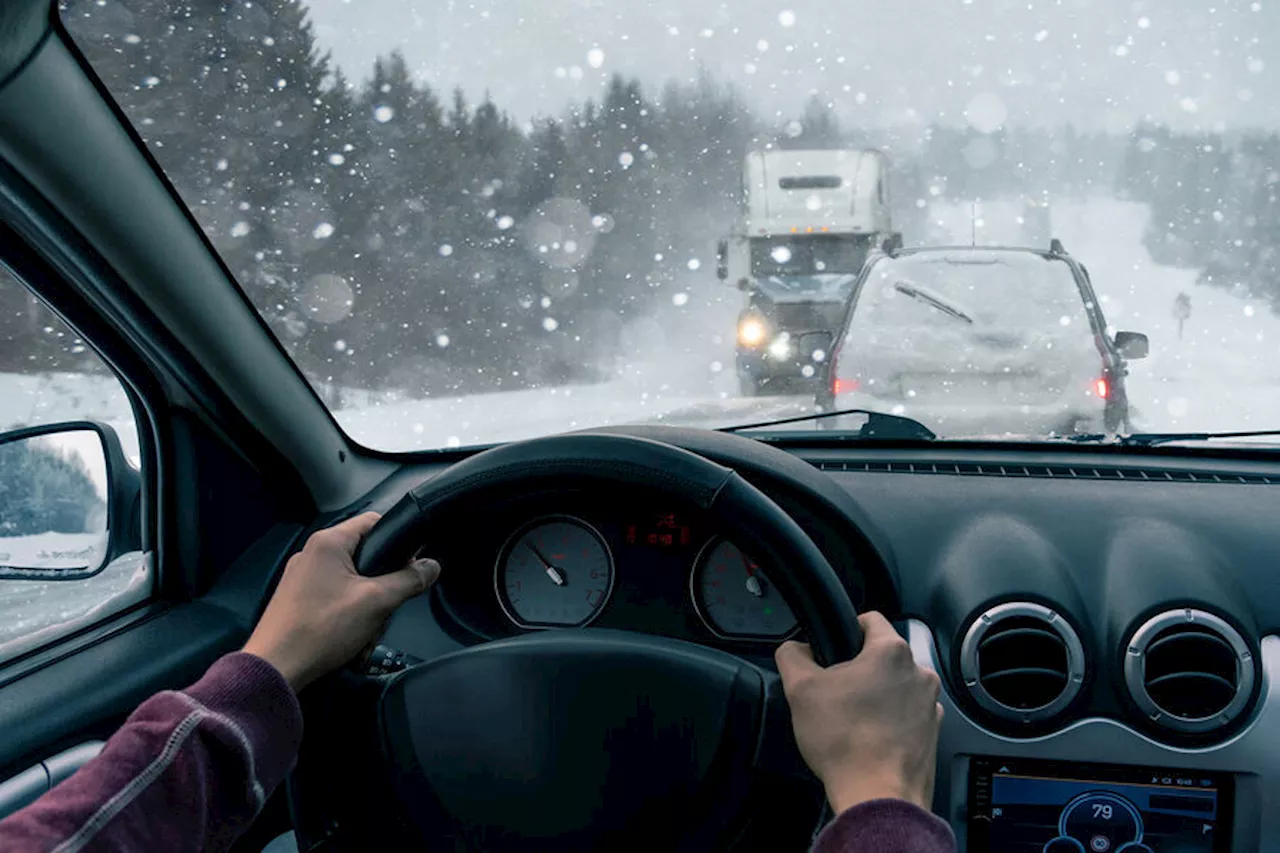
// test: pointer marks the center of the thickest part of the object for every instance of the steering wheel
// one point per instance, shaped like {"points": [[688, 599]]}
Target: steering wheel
{"points": [[587, 739]]}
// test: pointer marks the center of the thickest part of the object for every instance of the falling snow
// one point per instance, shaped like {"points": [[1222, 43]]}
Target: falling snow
{"points": [[1147, 130]]}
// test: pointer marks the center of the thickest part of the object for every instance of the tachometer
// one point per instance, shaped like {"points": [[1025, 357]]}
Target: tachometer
{"points": [[735, 599], [554, 572]]}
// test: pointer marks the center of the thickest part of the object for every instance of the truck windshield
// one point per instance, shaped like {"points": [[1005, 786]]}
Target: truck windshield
{"points": [[809, 254]]}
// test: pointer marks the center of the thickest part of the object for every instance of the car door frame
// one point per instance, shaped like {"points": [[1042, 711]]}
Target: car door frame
{"points": [[224, 504]]}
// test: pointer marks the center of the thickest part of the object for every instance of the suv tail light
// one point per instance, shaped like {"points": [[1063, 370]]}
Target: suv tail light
{"points": [[1102, 387], [840, 386], [844, 386]]}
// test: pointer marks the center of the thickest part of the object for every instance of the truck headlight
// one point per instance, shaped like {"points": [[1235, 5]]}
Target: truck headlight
{"points": [[752, 331], [781, 347]]}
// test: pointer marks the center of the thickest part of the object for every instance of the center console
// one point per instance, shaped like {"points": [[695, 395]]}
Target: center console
{"points": [[1021, 805]]}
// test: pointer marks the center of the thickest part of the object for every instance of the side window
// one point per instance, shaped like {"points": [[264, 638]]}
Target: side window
{"points": [[70, 482]]}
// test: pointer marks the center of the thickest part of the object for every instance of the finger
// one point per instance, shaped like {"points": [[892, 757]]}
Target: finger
{"points": [[794, 660], [347, 534], [407, 582], [876, 628]]}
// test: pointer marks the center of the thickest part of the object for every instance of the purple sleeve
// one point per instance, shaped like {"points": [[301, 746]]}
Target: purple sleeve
{"points": [[187, 771], [885, 826]]}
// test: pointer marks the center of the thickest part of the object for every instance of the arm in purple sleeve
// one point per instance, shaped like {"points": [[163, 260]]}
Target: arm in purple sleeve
{"points": [[188, 770], [885, 826]]}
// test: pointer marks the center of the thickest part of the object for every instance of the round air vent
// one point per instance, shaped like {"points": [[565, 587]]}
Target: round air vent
{"points": [[1022, 661], [1189, 671]]}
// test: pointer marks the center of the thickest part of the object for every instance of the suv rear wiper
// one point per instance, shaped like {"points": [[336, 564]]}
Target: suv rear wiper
{"points": [[879, 425], [1151, 439], [931, 299]]}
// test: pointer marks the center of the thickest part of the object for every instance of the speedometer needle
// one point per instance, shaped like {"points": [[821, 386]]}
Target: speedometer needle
{"points": [[753, 583], [557, 576]]}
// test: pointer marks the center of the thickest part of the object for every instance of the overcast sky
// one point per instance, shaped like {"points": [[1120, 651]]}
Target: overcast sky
{"points": [[1097, 63]]}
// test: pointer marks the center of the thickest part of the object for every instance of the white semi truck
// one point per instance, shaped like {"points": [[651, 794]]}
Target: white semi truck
{"points": [[808, 221]]}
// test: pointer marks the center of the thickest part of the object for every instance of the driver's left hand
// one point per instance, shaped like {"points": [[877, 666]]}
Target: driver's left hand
{"points": [[323, 613]]}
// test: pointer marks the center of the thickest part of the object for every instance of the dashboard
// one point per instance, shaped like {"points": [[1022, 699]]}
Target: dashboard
{"points": [[1106, 625]]}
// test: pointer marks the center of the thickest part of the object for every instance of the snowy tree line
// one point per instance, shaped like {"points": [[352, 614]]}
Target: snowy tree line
{"points": [[396, 236], [1214, 204], [42, 490]]}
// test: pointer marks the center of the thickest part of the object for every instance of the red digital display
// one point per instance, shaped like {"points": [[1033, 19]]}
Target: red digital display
{"points": [[664, 530]]}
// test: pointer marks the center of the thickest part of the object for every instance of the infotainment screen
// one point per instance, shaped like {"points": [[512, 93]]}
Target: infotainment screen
{"points": [[1028, 806]]}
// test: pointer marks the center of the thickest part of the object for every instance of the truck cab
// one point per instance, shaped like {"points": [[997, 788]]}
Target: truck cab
{"points": [[808, 221]]}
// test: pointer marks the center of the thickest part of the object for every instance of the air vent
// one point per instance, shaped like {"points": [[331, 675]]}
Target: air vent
{"points": [[1022, 661], [1049, 472], [1189, 671]]}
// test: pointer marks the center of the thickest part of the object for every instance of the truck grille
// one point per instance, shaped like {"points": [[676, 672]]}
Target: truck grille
{"points": [[803, 317]]}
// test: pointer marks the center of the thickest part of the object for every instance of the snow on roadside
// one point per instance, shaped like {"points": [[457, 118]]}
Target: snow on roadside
{"points": [[678, 369]]}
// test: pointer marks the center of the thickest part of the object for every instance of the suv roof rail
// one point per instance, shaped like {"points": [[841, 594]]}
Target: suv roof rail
{"points": [[892, 243], [1056, 248]]}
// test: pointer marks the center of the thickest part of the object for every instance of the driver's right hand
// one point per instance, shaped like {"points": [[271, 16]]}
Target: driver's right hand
{"points": [[868, 728]]}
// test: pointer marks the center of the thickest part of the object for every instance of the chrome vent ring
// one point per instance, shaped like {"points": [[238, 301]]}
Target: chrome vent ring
{"points": [[1189, 671], [1022, 661]]}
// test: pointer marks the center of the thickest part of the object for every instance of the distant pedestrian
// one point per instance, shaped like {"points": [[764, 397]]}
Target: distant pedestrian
{"points": [[1181, 311]]}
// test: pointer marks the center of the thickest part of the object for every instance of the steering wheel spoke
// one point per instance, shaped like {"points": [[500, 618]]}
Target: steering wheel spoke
{"points": [[778, 756]]}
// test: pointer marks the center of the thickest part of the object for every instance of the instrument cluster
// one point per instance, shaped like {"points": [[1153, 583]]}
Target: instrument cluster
{"points": [[571, 561], [563, 570]]}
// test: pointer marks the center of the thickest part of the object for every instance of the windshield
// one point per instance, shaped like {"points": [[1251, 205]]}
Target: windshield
{"points": [[807, 256], [475, 222]]}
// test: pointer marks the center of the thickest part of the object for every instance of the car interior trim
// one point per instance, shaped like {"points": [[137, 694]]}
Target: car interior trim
{"points": [[1252, 754]]}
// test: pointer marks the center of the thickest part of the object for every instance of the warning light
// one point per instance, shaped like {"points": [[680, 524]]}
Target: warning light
{"points": [[1103, 388]]}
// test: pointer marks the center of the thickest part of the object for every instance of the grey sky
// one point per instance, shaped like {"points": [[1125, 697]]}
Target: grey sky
{"points": [[1098, 63]]}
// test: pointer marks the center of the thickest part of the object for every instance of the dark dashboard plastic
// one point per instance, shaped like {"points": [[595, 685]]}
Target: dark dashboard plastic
{"points": [[1107, 539]]}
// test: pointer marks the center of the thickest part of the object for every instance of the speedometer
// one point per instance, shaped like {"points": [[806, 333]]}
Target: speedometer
{"points": [[554, 572], [734, 597]]}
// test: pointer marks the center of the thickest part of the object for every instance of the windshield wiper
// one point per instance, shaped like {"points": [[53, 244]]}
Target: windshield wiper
{"points": [[932, 299], [1151, 439], [878, 426]]}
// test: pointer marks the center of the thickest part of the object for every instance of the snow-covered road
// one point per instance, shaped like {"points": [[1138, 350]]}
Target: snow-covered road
{"points": [[1223, 375]]}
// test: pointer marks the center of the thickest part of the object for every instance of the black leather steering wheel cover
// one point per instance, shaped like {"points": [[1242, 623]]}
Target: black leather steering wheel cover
{"points": [[811, 587]]}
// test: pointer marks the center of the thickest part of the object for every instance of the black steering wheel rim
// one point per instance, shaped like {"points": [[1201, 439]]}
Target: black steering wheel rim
{"points": [[805, 579], [721, 724]]}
